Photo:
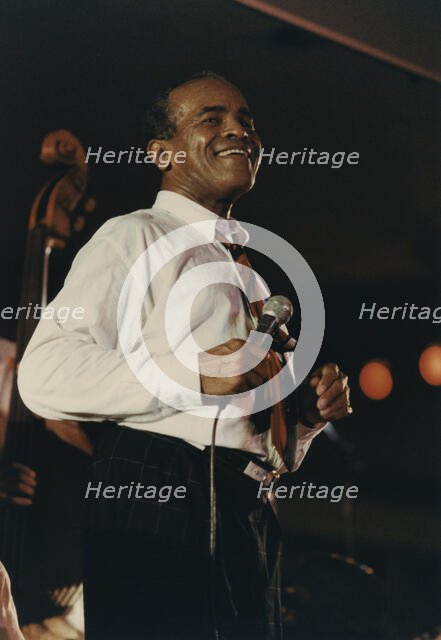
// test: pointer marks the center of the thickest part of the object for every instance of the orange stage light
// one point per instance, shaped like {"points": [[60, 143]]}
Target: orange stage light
{"points": [[376, 380], [430, 365]]}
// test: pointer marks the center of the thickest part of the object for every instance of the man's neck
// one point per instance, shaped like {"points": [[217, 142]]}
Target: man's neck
{"points": [[220, 207]]}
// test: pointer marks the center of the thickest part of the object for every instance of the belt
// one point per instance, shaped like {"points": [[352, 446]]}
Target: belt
{"points": [[248, 464]]}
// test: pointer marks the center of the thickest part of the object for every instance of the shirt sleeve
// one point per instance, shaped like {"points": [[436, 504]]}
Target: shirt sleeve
{"points": [[305, 436], [74, 368]]}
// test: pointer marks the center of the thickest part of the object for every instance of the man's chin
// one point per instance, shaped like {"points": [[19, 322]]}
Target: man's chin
{"points": [[237, 186]]}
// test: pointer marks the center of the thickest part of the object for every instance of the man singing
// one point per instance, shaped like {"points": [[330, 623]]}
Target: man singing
{"points": [[148, 572]]}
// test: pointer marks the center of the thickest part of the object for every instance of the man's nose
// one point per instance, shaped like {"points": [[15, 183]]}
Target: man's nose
{"points": [[234, 129]]}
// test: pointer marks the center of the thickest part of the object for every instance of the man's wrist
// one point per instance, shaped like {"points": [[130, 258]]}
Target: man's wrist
{"points": [[307, 420]]}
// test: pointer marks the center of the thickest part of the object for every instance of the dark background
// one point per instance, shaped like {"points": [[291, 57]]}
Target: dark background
{"points": [[370, 232]]}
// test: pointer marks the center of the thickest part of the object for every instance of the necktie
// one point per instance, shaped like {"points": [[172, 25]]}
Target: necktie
{"points": [[283, 438]]}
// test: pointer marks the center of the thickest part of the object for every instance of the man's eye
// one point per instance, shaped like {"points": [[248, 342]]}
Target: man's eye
{"points": [[248, 124], [211, 121]]}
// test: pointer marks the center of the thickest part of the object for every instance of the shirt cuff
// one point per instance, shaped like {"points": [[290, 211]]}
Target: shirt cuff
{"points": [[306, 433]]}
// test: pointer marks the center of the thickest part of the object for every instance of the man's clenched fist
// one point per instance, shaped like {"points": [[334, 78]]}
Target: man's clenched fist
{"points": [[325, 396]]}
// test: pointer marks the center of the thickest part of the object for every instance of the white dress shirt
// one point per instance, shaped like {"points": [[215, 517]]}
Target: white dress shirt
{"points": [[76, 370]]}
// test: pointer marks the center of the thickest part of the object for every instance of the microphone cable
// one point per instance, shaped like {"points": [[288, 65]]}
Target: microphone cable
{"points": [[213, 519]]}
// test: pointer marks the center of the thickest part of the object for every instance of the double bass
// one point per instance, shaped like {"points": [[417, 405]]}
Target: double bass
{"points": [[41, 545]]}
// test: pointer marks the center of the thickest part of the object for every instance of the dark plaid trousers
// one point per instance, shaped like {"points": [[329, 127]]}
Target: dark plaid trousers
{"points": [[147, 571]]}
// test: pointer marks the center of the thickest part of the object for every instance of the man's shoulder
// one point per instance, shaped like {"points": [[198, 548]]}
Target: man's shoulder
{"points": [[141, 220], [125, 236], [141, 227]]}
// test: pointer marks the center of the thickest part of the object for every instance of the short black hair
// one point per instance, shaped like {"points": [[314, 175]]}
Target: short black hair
{"points": [[159, 122]]}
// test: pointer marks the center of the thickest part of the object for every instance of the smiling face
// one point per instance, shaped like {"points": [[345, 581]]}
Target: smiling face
{"points": [[215, 128]]}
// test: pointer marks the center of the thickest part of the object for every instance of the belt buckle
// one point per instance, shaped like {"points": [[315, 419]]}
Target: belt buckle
{"points": [[259, 474]]}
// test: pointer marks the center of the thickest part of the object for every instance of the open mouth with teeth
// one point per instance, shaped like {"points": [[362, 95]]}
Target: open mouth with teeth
{"points": [[235, 153]]}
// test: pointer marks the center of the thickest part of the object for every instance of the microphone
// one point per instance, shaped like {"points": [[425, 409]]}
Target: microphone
{"points": [[277, 311]]}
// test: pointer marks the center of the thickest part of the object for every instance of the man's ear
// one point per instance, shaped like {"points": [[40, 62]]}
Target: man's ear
{"points": [[160, 153]]}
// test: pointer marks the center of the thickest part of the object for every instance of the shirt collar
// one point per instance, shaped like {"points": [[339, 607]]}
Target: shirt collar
{"points": [[227, 231]]}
